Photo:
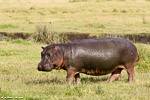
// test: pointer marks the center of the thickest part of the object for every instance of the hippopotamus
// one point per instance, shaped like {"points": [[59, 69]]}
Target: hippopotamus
{"points": [[96, 57]]}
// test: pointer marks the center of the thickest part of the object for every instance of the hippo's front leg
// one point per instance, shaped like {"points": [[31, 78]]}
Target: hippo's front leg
{"points": [[70, 75]]}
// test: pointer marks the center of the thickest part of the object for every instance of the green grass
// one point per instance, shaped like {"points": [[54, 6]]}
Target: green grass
{"points": [[144, 56], [21, 41], [83, 16], [95, 25], [6, 26], [19, 77]]}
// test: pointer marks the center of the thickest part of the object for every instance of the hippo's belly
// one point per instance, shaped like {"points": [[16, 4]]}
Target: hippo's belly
{"points": [[97, 72]]}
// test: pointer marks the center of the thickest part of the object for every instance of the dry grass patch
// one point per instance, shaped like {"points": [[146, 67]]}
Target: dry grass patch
{"points": [[117, 16]]}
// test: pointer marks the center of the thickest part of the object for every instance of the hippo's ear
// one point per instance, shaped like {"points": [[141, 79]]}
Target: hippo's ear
{"points": [[43, 47]]}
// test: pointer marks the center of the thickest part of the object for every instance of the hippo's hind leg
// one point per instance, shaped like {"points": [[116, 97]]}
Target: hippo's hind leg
{"points": [[115, 75], [77, 78], [130, 70]]}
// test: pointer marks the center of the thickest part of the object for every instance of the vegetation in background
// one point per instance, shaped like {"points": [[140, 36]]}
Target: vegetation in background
{"points": [[5, 26], [95, 25], [45, 34], [4, 38], [83, 16], [144, 56], [21, 41], [78, 1]]}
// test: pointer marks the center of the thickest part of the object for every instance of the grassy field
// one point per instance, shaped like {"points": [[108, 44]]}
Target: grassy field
{"points": [[19, 59], [83, 16], [19, 77]]}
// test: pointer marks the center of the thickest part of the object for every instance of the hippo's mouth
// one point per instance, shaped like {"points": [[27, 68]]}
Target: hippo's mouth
{"points": [[47, 69]]}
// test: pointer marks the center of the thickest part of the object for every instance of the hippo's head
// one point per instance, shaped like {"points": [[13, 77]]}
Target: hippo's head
{"points": [[51, 58]]}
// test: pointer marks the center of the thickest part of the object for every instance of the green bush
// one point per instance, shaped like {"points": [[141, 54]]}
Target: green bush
{"points": [[45, 34], [144, 56]]}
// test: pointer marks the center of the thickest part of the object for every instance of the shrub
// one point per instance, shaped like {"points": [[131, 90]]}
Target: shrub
{"points": [[4, 38], [144, 56], [45, 34]]}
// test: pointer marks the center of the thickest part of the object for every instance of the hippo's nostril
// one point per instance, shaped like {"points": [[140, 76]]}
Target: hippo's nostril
{"points": [[39, 68]]}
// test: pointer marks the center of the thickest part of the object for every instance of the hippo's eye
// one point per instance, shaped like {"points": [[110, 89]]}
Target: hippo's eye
{"points": [[47, 54]]}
